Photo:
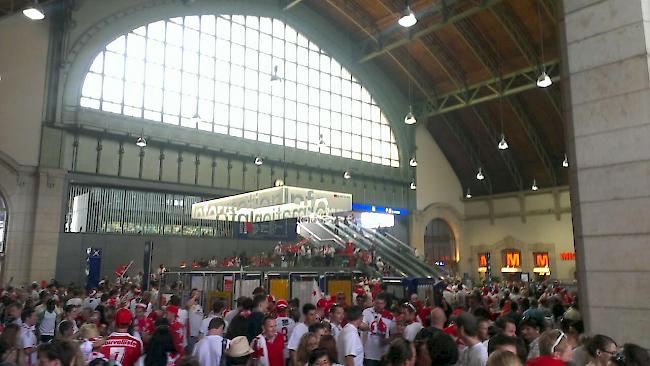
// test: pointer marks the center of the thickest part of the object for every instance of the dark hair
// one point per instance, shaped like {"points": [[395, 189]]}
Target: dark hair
{"points": [[161, 321], [246, 303], [188, 361], [598, 342], [503, 320], [217, 306], [26, 313], [558, 310], [65, 326], [161, 343], [63, 351], [481, 312], [468, 322], [381, 296], [316, 327], [353, 313], [174, 300], [267, 318], [571, 326], [531, 322], [216, 323], [442, 349], [307, 308], [258, 299], [504, 340], [398, 352], [243, 360], [259, 291], [632, 355], [409, 307], [318, 353], [328, 342], [334, 307]]}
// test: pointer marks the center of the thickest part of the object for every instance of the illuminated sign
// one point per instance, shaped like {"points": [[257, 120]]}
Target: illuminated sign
{"points": [[271, 204], [379, 209], [512, 261], [440, 263], [372, 220], [541, 259], [568, 256], [482, 260]]}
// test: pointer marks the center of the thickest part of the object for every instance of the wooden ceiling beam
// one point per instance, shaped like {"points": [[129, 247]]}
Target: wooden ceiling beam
{"points": [[453, 16], [454, 126], [517, 31], [506, 155], [525, 118], [550, 8], [355, 15], [491, 89], [479, 45]]}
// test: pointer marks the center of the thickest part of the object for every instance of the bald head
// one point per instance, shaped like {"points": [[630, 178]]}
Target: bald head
{"points": [[438, 318]]}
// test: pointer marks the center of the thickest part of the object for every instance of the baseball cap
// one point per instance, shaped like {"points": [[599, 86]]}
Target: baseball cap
{"points": [[123, 317], [141, 305], [172, 309], [282, 304], [321, 303]]}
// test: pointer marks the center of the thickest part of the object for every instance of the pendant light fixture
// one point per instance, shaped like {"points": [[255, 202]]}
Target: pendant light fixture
{"points": [[196, 118], [503, 144], [408, 18], [409, 119], [565, 162], [413, 186], [34, 11], [141, 141], [480, 175], [534, 187], [468, 195], [259, 161], [321, 141], [347, 175], [413, 162], [543, 80], [275, 76]]}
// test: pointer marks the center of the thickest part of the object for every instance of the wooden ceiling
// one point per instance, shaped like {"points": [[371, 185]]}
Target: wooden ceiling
{"points": [[458, 61]]}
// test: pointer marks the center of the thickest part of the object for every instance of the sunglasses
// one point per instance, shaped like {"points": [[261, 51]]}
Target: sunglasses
{"points": [[557, 341], [618, 358]]}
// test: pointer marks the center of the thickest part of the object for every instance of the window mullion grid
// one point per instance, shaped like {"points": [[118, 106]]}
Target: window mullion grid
{"points": [[214, 75], [124, 74], [101, 95], [198, 77], [144, 70], [180, 92], [164, 68], [259, 31], [230, 75]]}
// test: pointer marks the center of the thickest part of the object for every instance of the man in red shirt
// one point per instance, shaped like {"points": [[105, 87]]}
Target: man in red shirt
{"points": [[142, 324], [268, 347], [177, 329], [120, 345]]}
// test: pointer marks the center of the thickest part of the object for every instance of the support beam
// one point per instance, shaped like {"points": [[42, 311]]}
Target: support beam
{"points": [[517, 31], [485, 91], [453, 16], [527, 124], [550, 8], [291, 4], [509, 161], [479, 45], [466, 144], [356, 15]]}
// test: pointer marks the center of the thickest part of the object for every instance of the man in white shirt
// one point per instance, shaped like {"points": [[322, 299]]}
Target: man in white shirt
{"points": [[195, 317], [28, 340], [284, 324], [209, 349], [475, 353], [377, 321], [309, 318], [336, 319], [217, 312], [409, 314], [349, 346]]}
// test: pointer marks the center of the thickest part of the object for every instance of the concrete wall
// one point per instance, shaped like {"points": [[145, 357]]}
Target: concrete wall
{"points": [[23, 58], [120, 249]]}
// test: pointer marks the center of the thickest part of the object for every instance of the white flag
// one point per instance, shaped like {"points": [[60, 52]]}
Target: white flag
{"points": [[315, 293]]}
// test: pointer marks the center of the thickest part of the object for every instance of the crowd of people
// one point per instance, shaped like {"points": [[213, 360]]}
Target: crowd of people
{"points": [[511, 324]]}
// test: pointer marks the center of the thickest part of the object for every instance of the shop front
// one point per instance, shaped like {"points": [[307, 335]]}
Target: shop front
{"points": [[512, 264], [541, 264]]}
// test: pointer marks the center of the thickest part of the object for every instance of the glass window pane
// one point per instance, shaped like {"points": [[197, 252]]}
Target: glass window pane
{"points": [[264, 124], [156, 30], [112, 90], [191, 41], [136, 47], [133, 94], [114, 65], [173, 57], [92, 86], [153, 99], [236, 117], [238, 34], [290, 127], [250, 120], [118, 45], [174, 34], [191, 62], [208, 24]]}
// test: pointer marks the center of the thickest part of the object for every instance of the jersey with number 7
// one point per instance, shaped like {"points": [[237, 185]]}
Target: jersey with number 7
{"points": [[123, 348]]}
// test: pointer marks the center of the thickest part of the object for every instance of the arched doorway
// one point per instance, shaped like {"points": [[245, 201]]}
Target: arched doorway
{"points": [[439, 244]]}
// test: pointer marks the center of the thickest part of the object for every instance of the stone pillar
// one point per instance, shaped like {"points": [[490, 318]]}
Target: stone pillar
{"points": [[606, 85], [48, 223]]}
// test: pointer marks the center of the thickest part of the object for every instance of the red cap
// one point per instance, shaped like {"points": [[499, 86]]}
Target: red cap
{"points": [[141, 305], [321, 303], [172, 309], [270, 298], [123, 317], [282, 304]]}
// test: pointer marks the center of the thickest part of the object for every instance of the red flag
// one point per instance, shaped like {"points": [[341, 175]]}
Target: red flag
{"points": [[121, 270]]}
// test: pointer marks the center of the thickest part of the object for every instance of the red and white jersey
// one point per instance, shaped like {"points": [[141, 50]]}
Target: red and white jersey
{"points": [[144, 325], [178, 335], [285, 326], [380, 325], [123, 348]]}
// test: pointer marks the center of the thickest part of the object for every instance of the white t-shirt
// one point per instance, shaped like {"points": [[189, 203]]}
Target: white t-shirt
{"points": [[285, 325], [195, 319], [298, 331], [336, 329], [411, 331], [208, 350], [475, 355], [349, 344], [205, 324], [48, 323], [378, 332], [28, 340]]}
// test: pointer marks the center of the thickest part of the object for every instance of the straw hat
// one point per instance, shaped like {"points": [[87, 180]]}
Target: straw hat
{"points": [[239, 347]]}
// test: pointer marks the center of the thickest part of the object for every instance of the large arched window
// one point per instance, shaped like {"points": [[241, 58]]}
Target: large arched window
{"points": [[3, 224], [243, 76]]}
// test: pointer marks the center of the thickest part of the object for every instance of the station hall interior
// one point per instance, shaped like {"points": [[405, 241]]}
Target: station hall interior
{"points": [[508, 138]]}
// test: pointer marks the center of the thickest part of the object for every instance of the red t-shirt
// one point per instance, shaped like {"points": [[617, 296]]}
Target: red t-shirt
{"points": [[123, 348], [143, 325], [275, 350], [178, 335]]}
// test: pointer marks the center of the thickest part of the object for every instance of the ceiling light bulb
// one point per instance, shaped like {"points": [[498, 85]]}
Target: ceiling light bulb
{"points": [[409, 119], [408, 19], [565, 162], [480, 175], [413, 162], [141, 142], [34, 11], [259, 161], [503, 145], [534, 187], [544, 81], [347, 175], [275, 76], [413, 186], [468, 194]]}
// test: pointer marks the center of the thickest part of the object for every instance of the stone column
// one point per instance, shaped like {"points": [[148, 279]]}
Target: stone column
{"points": [[606, 85], [48, 223]]}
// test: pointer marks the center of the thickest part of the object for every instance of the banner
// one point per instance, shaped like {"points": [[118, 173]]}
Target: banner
{"points": [[93, 267]]}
